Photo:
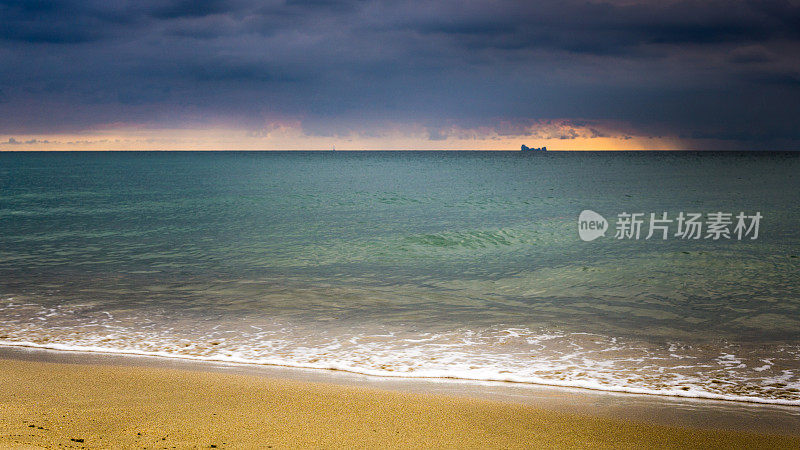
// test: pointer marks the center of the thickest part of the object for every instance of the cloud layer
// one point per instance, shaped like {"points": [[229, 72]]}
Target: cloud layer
{"points": [[727, 71]]}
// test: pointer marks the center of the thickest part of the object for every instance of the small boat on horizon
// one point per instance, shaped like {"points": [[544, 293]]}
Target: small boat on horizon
{"points": [[525, 148]]}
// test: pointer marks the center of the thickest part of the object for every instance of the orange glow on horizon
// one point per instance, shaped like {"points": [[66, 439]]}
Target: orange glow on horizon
{"points": [[292, 137]]}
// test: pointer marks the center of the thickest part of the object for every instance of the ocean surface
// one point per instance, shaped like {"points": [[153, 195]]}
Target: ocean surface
{"points": [[412, 264]]}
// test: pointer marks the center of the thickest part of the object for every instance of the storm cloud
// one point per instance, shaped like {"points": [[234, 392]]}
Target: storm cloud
{"points": [[723, 70]]}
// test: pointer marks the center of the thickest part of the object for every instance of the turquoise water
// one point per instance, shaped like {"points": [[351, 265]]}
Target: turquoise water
{"points": [[432, 264]]}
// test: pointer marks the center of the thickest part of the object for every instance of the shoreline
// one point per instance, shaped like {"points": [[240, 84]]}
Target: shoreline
{"points": [[689, 413], [675, 394], [48, 404]]}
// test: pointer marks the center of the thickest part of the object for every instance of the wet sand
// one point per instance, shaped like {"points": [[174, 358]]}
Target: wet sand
{"points": [[48, 404]]}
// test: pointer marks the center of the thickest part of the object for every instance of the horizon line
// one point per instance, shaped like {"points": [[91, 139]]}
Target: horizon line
{"points": [[390, 150]]}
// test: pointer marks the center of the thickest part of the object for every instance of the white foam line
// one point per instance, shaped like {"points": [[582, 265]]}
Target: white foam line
{"points": [[384, 374]]}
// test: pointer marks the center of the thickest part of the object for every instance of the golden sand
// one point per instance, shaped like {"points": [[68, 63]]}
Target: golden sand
{"points": [[72, 405]]}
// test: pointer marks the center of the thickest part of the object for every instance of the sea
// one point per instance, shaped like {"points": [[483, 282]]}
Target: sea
{"points": [[444, 265]]}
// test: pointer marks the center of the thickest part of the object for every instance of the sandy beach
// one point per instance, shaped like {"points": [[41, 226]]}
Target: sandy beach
{"points": [[47, 404]]}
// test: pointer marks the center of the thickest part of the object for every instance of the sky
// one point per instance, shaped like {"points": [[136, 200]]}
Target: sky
{"points": [[435, 74]]}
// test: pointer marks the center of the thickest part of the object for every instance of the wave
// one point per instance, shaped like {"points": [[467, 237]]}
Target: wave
{"points": [[613, 366], [550, 232], [467, 239], [433, 374]]}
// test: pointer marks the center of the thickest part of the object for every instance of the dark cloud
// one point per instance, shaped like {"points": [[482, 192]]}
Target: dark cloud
{"points": [[435, 134], [12, 141], [693, 68], [61, 22], [750, 54], [599, 27], [191, 8]]}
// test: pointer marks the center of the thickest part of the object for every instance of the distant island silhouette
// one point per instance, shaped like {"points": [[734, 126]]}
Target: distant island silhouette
{"points": [[525, 148]]}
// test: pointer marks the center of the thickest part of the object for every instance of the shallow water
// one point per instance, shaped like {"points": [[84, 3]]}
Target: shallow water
{"points": [[412, 264]]}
